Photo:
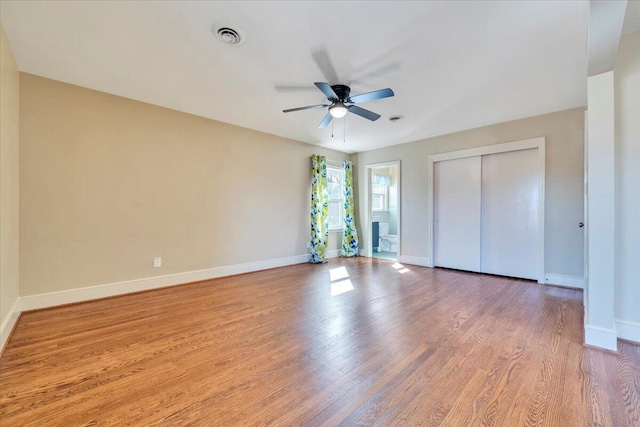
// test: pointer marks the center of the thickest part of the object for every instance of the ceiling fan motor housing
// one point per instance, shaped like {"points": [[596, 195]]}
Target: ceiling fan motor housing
{"points": [[342, 91]]}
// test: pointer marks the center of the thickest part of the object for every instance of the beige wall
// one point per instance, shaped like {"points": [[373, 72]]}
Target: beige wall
{"points": [[627, 233], [9, 186], [108, 183], [564, 132]]}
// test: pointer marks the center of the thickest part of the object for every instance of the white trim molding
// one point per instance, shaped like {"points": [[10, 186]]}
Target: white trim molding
{"points": [[629, 331], [335, 253], [415, 260], [563, 280], [504, 147], [596, 336], [9, 323], [51, 299]]}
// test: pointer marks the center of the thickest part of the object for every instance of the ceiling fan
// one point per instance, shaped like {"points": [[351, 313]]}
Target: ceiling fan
{"points": [[339, 96]]}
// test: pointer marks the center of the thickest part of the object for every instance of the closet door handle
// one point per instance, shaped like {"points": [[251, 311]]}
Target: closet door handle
{"points": [[581, 224]]}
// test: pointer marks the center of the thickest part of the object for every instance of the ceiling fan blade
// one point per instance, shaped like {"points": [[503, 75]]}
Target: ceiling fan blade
{"points": [[363, 113], [327, 90], [325, 122], [372, 74], [324, 63], [370, 96], [293, 88], [310, 107]]}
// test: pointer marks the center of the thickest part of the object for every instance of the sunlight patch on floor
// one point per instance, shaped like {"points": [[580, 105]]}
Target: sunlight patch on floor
{"points": [[340, 283], [401, 268], [341, 287], [338, 273]]}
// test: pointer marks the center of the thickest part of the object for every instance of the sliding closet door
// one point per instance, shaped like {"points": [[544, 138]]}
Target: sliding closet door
{"points": [[457, 213], [510, 204]]}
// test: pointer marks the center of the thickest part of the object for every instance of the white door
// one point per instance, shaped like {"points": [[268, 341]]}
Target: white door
{"points": [[457, 196], [510, 204]]}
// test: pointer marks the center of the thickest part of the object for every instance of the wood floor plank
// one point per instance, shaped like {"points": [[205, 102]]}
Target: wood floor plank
{"points": [[418, 347]]}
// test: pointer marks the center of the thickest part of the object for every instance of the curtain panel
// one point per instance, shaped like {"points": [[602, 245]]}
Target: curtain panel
{"points": [[319, 210], [349, 233]]}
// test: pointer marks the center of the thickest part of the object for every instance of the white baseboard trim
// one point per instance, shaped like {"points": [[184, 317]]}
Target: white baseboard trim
{"points": [[334, 253], [415, 260], [563, 280], [51, 299], [629, 331], [9, 322], [601, 337]]}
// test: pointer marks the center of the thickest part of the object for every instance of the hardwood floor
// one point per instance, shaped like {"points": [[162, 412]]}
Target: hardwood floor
{"points": [[414, 346]]}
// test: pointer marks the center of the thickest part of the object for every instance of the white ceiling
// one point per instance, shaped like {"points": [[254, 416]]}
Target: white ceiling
{"points": [[453, 65]]}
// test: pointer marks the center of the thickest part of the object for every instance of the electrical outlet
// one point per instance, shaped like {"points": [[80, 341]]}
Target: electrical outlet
{"points": [[308, 245], [157, 261]]}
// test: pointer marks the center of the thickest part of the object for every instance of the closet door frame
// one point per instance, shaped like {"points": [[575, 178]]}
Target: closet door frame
{"points": [[525, 144]]}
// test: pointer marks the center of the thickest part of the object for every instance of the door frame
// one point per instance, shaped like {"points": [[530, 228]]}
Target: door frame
{"points": [[585, 220], [369, 169], [524, 144]]}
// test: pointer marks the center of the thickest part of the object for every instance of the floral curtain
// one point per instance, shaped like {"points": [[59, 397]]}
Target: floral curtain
{"points": [[319, 210], [349, 233]]}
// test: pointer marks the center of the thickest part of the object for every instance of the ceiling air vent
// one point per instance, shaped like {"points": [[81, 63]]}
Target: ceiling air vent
{"points": [[227, 34]]}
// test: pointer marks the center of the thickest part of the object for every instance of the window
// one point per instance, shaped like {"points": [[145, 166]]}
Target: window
{"points": [[379, 198], [380, 184], [335, 183]]}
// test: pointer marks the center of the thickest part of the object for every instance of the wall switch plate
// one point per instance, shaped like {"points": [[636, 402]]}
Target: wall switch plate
{"points": [[157, 261]]}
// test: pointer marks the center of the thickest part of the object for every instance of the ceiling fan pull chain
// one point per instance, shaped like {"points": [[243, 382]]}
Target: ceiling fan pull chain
{"points": [[331, 129], [344, 129]]}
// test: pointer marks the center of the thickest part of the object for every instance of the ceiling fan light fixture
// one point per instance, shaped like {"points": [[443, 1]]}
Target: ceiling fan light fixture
{"points": [[339, 110]]}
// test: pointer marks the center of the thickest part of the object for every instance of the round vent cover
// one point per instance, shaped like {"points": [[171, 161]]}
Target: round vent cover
{"points": [[227, 34]]}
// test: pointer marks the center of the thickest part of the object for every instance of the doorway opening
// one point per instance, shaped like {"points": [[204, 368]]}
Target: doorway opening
{"points": [[384, 210]]}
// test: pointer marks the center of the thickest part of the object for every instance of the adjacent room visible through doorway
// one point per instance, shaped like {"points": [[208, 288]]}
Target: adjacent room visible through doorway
{"points": [[384, 184]]}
